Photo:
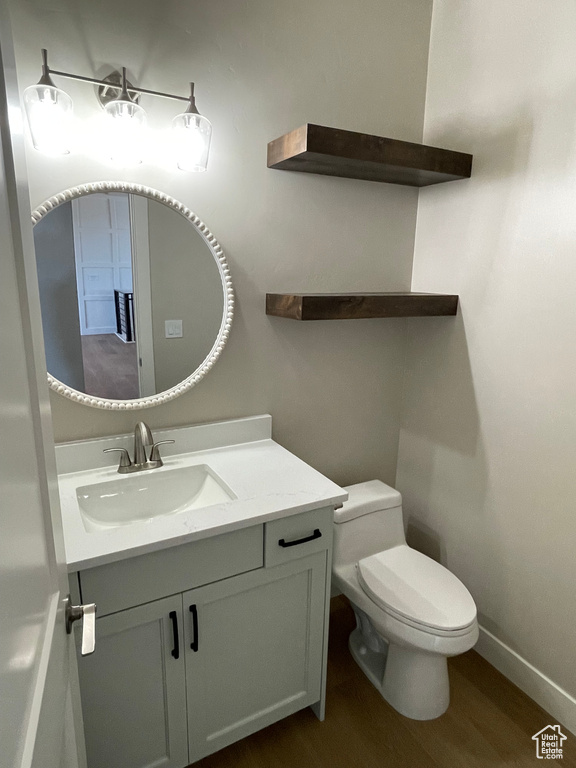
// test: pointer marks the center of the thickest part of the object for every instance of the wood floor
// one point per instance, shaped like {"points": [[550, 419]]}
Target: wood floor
{"points": [[490, 723], [110, 367]]}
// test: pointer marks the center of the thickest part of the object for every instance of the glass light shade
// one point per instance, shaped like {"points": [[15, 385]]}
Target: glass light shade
{"points": [[192, 134], [49, 115], [125, 129]]}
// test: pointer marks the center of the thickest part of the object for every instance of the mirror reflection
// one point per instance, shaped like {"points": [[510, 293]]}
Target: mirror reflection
{"points": [[131, 295]]}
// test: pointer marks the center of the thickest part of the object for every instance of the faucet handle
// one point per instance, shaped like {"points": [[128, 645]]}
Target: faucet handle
{"points": [[124, 459], [155, 453]]}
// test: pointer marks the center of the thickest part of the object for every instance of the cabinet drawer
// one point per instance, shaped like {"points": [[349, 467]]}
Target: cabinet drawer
{"points": [[298, 535], [158, 574]]}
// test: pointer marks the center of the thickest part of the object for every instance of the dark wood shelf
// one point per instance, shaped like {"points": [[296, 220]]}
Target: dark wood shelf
{"points": [[332, 152], [354, 306]]}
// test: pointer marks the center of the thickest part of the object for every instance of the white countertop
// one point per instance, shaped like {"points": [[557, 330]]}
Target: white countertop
{"points": [[269, 482]]}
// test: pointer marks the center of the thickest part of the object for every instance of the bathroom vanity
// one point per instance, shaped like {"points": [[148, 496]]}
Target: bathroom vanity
{"points": [[211, 620]]}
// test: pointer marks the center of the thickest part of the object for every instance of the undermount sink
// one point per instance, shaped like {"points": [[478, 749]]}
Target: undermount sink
{"points": [[147, 495]]}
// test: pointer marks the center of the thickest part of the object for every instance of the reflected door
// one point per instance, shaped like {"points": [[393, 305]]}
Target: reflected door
{"points": [[103, 258]]}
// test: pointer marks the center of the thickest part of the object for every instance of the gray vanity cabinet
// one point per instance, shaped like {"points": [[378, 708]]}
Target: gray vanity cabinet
{"points": [[176, 678], [134, 692], [253, 651]]}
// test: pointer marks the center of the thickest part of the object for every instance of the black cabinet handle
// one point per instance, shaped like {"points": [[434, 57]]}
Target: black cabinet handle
{"points": [[174, 619], [315, 535], [194, 643]]}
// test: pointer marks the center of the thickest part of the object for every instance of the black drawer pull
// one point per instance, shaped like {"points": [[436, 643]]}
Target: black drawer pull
{"points": [[194, 643], [174, 619], [316, 535]]}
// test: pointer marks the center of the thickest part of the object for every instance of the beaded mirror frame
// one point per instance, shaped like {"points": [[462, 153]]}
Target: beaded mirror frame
{"points": [[228, 308]]}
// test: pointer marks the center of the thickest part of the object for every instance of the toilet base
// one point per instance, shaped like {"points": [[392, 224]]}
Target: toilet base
{"points": [[413, 682], [372, 663]]}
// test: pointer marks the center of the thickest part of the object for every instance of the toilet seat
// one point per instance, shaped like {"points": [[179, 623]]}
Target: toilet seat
{"points": [[417, 590]]}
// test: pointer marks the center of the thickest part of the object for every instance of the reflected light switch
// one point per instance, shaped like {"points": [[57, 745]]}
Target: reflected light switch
{"points": [[173, 329]]}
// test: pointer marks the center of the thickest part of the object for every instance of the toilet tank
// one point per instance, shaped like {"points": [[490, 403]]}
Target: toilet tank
{"points": [[369, 522]]}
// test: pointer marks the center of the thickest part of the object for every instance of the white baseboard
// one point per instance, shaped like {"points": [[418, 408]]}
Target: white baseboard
{"points": [[560, 704]]}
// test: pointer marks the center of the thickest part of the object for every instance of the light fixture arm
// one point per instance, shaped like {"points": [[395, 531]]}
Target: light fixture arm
{"points": [[124, 95], [191, 109], [47, 80]]}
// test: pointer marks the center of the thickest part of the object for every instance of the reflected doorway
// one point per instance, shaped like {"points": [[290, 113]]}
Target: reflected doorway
{"points": [[89, 247]]}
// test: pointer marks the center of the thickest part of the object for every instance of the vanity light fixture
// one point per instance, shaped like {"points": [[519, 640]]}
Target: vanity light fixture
{"points": [[125, 123], [192, 133], [49, 114]]}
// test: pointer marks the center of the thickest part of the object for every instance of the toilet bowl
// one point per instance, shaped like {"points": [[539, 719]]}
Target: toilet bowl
{"points": [[411, 612]]}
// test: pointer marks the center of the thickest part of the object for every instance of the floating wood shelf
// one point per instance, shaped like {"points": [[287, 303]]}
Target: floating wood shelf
{"points": [[332, 152], [354, 306]]}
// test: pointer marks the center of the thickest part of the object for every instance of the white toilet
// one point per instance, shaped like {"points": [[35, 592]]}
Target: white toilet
{"points": [[411, 612]]}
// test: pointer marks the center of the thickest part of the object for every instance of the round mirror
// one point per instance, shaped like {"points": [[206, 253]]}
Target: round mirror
{"points": [[135, 293]]}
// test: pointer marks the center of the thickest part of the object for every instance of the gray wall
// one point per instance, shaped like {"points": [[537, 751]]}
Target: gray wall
{"points": [[54, 242], [262, 69], [488, 442], [190, 290]]}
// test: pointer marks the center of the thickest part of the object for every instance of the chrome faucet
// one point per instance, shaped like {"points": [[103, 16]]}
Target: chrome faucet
{"points": [[142, 440]]}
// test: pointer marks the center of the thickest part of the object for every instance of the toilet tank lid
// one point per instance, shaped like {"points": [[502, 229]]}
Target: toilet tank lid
{"points": [[364, 498]]}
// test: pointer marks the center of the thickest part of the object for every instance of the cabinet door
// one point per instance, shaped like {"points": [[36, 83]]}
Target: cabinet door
{"points": [[133, 689], [253, 651]]}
